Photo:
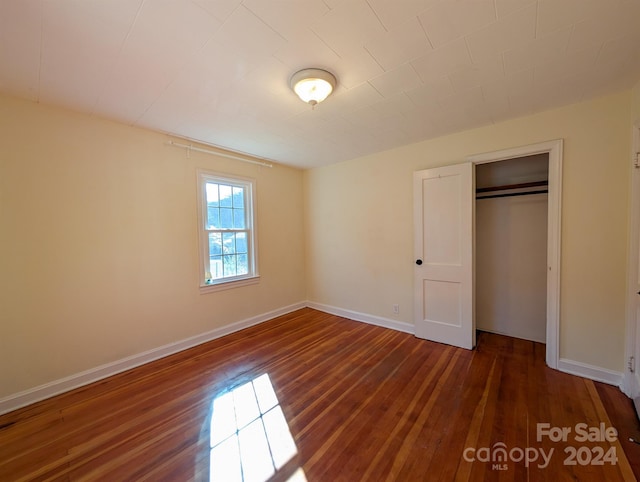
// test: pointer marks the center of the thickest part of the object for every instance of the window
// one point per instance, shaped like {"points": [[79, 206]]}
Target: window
{"points": [[227, 230]]}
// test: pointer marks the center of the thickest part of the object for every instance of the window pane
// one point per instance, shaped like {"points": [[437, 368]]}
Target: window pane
{"points": [[238, 218], [229, 262], [243, 264], [241, 243], [226, 218], [226, 226], [228, 243], [213, 217], [215, 244], [212, 194], [215, 267], [238, 197], [225, 196]]}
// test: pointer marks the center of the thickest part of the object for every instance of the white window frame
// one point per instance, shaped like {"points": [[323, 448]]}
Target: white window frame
{"points": [[205, 176]]}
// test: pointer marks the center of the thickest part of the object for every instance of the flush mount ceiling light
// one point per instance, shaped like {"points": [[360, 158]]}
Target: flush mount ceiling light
{"points": [[313, 85]]}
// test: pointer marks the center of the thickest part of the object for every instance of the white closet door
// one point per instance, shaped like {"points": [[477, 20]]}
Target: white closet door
{"points": [[443, 218]]}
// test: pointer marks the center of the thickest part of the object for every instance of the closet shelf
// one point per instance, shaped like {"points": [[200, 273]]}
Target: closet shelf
{"points": [[512, 186], [483, 192]]}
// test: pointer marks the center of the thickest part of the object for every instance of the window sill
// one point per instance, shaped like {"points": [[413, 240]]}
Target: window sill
{"points": [[227, 285]]}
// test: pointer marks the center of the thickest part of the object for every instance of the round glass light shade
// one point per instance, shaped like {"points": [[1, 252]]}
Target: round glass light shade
{"points": [[313, 85]]}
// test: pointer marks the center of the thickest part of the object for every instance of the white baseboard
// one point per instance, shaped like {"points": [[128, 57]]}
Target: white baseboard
{"points": [[580, 369], [364, 317], [597, 374], [56, 387]]}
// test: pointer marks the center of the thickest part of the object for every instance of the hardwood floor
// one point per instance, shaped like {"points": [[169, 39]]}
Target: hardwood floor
{"points": [[322, 398]]}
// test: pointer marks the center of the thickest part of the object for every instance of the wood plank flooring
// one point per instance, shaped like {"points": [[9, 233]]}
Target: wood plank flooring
{"points": [[360, 403]]}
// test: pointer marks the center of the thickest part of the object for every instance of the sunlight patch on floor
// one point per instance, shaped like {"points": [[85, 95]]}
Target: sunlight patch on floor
{"points": [[250, 436]]}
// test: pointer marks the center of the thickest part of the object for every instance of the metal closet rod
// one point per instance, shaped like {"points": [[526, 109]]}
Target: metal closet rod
{"points": [[221, 153]]}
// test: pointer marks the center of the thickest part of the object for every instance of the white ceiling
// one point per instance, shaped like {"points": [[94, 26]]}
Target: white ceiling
{"points": [[218, 70]]}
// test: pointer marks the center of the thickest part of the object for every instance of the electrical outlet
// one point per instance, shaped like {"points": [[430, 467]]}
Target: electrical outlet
{"points": [[396, 309]]}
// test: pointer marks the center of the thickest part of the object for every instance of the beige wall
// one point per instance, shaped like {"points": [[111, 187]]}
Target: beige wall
{"points": [[360, 231], [98, 244]]}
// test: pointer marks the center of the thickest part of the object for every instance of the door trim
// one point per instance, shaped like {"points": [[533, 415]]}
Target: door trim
{"points": [[554, 149], [630, 385]]}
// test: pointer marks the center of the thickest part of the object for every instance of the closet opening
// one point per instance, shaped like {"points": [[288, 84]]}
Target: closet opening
{"points": [[511, 246]]}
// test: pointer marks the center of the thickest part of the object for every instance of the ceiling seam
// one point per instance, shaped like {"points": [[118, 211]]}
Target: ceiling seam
{"points": [[193, 55], [375, 60], [264, 23], [376, 15], [424, 30], [325, 43], [119, 55]]}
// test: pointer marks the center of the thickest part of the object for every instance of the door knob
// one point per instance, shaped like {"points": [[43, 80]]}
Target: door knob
{"points": [[418, 262]]}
